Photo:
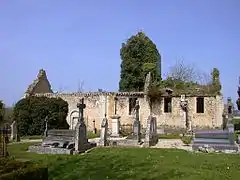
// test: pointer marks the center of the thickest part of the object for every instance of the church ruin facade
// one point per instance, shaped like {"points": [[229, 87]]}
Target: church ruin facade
{"points": [[202, 111]]}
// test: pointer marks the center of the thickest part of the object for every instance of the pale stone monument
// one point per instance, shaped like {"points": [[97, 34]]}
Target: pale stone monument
{"points": [[104, 126], [14, 132], [104, 130], [151, 138], [115, 121], [184, 110], [136, 124]]}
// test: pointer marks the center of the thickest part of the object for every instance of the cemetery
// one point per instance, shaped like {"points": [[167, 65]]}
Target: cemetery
{"points": [[175, 130], [204, 149]]}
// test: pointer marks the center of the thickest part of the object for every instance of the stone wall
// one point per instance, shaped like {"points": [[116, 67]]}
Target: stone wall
{"points": [[40, 84], [95, 109]]}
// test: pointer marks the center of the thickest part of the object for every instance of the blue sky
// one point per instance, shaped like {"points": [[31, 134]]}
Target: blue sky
{"points": [[80, 40]]}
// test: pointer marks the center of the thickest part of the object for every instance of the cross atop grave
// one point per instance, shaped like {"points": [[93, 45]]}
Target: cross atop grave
{"points": [[115, 105], [229, 105], [81, 106], [46, 126], [238, 86], [238, 100], [137, 107]]}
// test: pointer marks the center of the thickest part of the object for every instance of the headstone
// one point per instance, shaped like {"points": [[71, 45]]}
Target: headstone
{"points": [[115, 105], [46, 126], [231, 135], [184, 109], [94, 127], [104, 130], [151, 138], [115, 126], [64, 141], [236, 113], [238, 100], [136, 124], [219, 140], [13, 131], [115, 121], [81, 130], [230, 105]]}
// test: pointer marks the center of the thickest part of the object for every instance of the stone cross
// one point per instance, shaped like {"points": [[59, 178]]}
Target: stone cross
{"points": [[136, 124], [81, 106], [229, 104], [137, 107], [46, 126], [238, 100], [115, 106]]}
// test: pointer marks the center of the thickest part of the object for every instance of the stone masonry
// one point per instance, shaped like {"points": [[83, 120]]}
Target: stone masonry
{"points": [[211, 117]]}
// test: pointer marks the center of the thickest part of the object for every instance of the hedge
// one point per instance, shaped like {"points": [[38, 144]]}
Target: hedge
{"points": [[30, 113], [11, 169]]}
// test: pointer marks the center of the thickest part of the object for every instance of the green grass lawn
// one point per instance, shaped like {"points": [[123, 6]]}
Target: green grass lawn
{"points": [[135, 163]]}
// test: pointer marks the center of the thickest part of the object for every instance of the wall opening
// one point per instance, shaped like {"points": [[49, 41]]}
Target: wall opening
{"points": [[200, 104], [167, 104], [132, 104]]}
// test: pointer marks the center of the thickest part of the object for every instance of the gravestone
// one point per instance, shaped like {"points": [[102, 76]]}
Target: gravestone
{"points": [[151, 137], [14, 132], [46, 127], [136, 124], [184, 109], [104, 130], [65, 141], [217, 140], [81, 130], [115, 121], [236, 114]]}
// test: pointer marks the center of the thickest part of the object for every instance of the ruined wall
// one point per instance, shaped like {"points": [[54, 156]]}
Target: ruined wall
{"points": [[95, 109], [96, 106], [40, 84], [210, 118]]}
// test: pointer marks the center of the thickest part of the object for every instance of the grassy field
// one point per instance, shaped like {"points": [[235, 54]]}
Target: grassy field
{"points": [[132, 163]]}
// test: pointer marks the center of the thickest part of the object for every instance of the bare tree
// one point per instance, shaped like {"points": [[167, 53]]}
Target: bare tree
{"points": [[204, 78], [183, 72], [188, 73]]}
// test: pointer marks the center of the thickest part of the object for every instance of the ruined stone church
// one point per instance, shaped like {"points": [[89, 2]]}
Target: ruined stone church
{"points": [[202, 110]]}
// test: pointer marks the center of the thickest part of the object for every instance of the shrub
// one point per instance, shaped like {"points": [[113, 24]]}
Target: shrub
{"points": [[186, 139], [11, 169], [31, 112]]}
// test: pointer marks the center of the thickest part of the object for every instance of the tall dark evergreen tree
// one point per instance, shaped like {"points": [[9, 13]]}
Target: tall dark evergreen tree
{"points": [[139, 56]]}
